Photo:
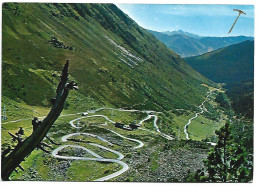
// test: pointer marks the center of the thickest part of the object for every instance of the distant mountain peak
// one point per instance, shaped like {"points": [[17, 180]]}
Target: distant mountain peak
{"points": [[182, 32], [187, 44]]}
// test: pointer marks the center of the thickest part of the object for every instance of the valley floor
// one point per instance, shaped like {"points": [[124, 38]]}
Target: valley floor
{"points": [[93, 149]]}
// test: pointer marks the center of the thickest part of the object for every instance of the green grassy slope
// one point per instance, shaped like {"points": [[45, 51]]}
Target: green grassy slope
{"points": [[230, 64], [114, 61]]}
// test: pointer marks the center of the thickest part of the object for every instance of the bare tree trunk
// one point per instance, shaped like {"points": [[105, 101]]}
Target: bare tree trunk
{"points": [[24, 148]]}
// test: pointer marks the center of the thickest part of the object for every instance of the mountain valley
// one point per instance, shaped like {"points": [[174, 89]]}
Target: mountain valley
{"points": [[141, 114]]}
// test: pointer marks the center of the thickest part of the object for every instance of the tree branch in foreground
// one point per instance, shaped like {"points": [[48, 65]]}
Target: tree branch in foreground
{"points": [[40, 129]]}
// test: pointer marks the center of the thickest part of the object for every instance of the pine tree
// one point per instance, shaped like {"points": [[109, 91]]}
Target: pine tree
{"points": [[227, 161]]}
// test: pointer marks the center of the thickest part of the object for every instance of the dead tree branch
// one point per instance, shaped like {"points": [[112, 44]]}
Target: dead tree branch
{"points": [[52, 140], [40, 128]]}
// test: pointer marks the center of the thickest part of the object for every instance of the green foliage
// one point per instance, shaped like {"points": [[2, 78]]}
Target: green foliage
{"points": [[242, 97], [243, 132], [222, 99], [198, 176], [228, 161], [58, 44]]}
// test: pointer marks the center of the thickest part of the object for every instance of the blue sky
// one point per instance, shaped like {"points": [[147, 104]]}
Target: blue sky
{"points": [[205, 20]]}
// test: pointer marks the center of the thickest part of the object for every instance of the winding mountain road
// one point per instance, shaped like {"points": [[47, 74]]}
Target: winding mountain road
{"points": [[55, 154], [125, 167], [196, 114]]}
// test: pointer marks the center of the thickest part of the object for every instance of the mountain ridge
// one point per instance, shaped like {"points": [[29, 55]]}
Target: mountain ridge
{"points": [[182, 32], [186, 45], [219, 65]]}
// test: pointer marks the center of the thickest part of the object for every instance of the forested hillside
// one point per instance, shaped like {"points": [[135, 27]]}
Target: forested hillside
{"points": [[234, 66]]}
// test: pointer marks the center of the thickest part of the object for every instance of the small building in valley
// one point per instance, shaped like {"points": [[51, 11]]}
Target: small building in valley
{"points": [[129, 127]]}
